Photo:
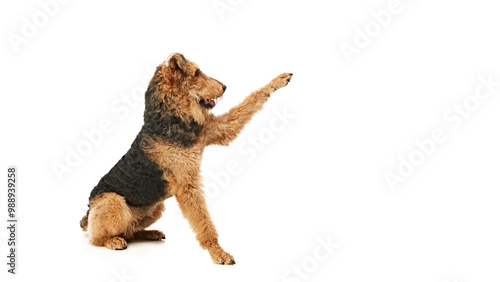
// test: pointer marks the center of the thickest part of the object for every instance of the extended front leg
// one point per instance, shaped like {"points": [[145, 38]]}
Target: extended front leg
{"points": [[193, 207], [223, 129]]}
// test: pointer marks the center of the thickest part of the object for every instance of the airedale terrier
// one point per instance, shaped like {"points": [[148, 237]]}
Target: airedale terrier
{"points": [[165, 157]]}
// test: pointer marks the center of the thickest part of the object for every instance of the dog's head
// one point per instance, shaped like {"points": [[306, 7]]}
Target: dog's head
{"points": [[182, 89]]}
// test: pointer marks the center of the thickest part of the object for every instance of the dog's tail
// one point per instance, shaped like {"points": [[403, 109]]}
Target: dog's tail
{"points": [[85, 221]]}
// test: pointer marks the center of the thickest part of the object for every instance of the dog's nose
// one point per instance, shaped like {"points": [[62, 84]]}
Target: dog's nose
{"points": [[224, 87]]}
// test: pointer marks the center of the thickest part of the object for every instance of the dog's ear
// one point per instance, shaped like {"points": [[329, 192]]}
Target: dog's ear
{"points": [[177, 62]]}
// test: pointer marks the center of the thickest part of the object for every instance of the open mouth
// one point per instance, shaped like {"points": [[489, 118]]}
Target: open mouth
{"points": [[209, 103]]}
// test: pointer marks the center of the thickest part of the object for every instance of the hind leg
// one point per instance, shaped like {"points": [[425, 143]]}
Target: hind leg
{"points": [[149, 216], [150, 235], [109, 221]]}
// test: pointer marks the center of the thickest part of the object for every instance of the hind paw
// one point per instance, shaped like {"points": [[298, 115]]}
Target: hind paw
{"points": [[116, 243], [153, 235]]}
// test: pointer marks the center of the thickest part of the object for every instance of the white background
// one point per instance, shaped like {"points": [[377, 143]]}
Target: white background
{"points": [[319, 177]]}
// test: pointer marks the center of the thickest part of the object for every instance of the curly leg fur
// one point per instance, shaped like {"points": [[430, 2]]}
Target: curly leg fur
{"points": [[108, 221], [193, 207], [223, 129], [112, 222]]}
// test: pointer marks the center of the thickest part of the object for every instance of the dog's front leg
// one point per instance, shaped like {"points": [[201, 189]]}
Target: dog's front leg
{"points": [[192, 204], [223, 129]]}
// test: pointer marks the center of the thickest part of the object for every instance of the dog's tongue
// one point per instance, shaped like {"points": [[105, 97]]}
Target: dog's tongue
{"points": [[211, 102]]}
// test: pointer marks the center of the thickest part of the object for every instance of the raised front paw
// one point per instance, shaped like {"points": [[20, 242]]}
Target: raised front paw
{"points": [[280, 81]]}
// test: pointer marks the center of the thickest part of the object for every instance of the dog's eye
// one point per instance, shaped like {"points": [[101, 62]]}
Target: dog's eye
{"points": [[197, 73]]}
